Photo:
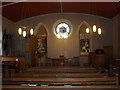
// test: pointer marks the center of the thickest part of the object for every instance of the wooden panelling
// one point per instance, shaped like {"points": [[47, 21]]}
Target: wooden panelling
{"points": [[27, 47], [99, 61], [32, 50], [92, 59], [108, 51]]}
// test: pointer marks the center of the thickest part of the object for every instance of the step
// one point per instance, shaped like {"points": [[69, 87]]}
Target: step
{"points": [[63, 83], [107, 79], [93, 87], [58, 70], [57, 75]]}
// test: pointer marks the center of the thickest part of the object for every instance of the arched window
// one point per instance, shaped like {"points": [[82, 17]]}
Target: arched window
{"points": [[62, 28]]}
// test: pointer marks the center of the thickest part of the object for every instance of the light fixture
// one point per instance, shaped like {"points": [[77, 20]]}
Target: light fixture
{"points": [[24, 31], [20, 31], [31, 31], [99, 31], [87, 30], [94, 28]]}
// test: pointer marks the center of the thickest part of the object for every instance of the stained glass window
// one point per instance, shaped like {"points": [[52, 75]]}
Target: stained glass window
{"points": [[41, 45], [62, 30], [84, 44]]}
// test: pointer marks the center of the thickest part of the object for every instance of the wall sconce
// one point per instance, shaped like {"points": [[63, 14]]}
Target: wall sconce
{"points": [[20, 31]]}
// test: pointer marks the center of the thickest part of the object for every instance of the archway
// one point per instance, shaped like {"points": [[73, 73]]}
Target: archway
{"points": [[41, 37], [84, 43], [41, 44]]}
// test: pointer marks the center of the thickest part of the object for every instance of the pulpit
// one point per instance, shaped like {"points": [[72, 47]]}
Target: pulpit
{"points": [[97, 60]]}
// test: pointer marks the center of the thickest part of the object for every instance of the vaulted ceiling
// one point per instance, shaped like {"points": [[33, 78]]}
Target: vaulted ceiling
{"points": [[21, 10]]}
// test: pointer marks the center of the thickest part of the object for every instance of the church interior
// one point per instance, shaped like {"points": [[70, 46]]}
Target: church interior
{"points": [[60, 45]]}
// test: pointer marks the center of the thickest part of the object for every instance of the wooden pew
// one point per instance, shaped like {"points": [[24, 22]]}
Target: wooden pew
{"points": [[10, 63], [57, 75], [118, 71], [58, 80], [60, 76]]}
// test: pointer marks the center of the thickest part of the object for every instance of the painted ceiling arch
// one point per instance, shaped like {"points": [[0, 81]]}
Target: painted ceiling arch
{"points": [[22, 10]]}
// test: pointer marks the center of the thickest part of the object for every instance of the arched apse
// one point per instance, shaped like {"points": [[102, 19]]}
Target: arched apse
{"points": [[84, 38]]}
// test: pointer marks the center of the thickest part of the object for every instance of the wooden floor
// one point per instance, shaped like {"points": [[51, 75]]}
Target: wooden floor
{"points": [[74, 78]]}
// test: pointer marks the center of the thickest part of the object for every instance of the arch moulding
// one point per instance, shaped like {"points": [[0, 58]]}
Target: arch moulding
{"points": [[38, 26]]}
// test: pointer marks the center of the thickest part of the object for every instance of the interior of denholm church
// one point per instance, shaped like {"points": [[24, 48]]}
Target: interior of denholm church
{"points": [[60, 45]]}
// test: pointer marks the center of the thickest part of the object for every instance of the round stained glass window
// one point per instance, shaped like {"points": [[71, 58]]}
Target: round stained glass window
{"points": [[62, 30]]}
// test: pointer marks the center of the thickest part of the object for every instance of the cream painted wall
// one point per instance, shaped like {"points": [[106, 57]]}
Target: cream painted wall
{"points": [[70, 46], [10, 29], [9, 25]]}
